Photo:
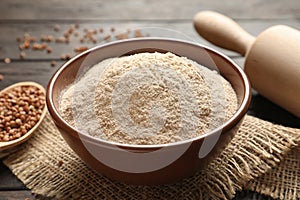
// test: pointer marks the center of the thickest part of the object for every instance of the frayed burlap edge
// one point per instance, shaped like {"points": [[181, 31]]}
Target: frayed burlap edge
{"points": [[282, 181], [258, 147], [47, 166]]}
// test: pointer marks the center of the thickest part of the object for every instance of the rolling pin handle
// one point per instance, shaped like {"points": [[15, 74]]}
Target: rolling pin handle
{"points": [[223, 31]]}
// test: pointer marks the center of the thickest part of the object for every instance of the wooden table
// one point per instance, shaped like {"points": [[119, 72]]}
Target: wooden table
{"points": [[37, 18]]}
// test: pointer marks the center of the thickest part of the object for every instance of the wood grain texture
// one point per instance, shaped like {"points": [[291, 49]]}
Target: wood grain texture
{"points": [[9, 47], [8, 181], [39, 17], [14, 72], [38, 71], [145, 9], [16, 195]]}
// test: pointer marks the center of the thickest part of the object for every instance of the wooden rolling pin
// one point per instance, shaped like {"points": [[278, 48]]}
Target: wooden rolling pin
{"points": [[272, 60]]}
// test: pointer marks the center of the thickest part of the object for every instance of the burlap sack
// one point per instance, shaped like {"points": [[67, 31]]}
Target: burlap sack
{"points": [[262, 157], [282, 181]]}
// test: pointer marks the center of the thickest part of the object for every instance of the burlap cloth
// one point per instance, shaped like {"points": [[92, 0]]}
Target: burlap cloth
{"points": [[262, 157]]}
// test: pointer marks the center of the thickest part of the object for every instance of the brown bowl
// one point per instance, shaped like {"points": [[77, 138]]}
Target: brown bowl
{"points": [[149, 164]]}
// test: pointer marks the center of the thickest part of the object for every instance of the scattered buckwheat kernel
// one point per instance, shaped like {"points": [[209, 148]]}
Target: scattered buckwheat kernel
{"points": [[49, 50], [22, 54], [66, 35], [63, 57], [80, 49], [60, 40], [43, 38], [107, 38], [60, 163], [49, 38], [53, 63], [71, 29], [68, 56], [56, 28], [7, 60], [138, 33], [122, 36], [26, 44], [38, 46]]}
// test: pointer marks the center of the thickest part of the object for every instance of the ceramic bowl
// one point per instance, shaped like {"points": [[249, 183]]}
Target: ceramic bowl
{"points": [[149, 164]]}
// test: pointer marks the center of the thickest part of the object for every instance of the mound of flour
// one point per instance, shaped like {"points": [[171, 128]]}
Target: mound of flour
{"points": [[148, 98]]}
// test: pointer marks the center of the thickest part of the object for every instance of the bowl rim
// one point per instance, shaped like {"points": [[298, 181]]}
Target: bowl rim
{"points": [[228, 124]]}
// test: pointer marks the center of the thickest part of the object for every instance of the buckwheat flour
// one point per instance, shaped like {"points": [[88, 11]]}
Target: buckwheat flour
{"points": [[148, 98]]}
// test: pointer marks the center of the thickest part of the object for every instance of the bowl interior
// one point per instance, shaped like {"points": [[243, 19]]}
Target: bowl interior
{"points": [[205, 56]]}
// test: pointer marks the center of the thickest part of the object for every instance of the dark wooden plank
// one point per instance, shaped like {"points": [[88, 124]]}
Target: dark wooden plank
{"points": [[145, 9], [8, 181], [9, 47], [18, 17], [16, 195], [23, 194], [266, 110], [39, 72], [249, 195]]}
